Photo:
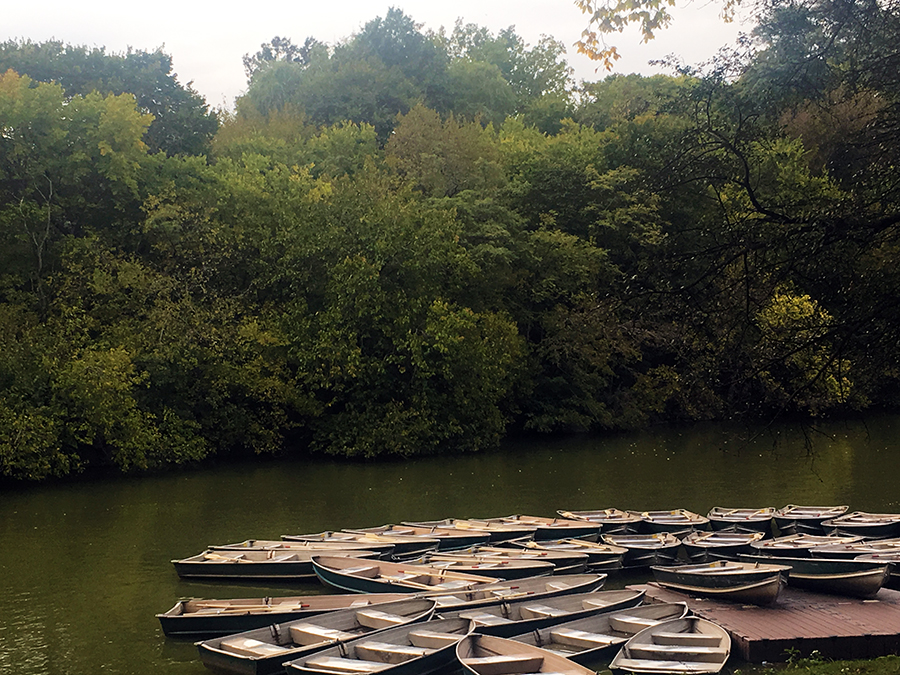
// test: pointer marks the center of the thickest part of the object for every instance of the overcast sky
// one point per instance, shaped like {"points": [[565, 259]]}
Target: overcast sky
{"points": [[207, 40]]}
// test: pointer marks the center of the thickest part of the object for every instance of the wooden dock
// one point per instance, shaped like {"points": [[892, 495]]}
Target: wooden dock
{"points": [[837, 627]]}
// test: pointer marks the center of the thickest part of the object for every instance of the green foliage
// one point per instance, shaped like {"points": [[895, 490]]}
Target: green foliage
{"points": [[181, 120]]}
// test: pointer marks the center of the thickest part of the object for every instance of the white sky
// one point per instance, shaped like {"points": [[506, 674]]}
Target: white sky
{"points": [[207, 41]]}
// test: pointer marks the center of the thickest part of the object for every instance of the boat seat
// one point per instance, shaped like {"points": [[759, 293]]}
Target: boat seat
{"points": [[678, 652], [218, 557], [502, 664], [557, 585], [311, 634], [250, 647], [432, 639], [687, 639], [287, 557], [359, 603], [405, 576], [373, 618], [335, 664], [651, 665], [589, 603], [484, 618], [367, 571], [583, 639], [630, 624], [508, 593], [455, 584], [390, 653], [541, 612]]}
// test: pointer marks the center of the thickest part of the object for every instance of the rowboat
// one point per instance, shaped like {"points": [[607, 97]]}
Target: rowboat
{"points": [[643, 550], [752, 582], [890, 557], [601, 556], [210, 618], [379, 576], [502, 591], [559, 562], [265, 650], [793, 519], [449, 539], [875, 525], [403, 546], [413, 649], [495, 567], [676, 521], [744, 519], [553, 528], [497, 531], [688, 645], [853, 549], [856, 578], [257, 563], [797, 545], [336, 547], [520, 616], [598, 637], [611, 521], [706, 546], [489, 655]]}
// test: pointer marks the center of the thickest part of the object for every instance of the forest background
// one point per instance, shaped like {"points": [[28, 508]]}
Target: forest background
{"points": [[414, 242]]}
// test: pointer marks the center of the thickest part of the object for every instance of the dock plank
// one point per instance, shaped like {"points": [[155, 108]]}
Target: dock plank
{"points": [[838, 627]]}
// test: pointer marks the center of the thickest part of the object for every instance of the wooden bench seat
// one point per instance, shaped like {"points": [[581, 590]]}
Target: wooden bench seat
{"points": [[582, 639], [374, 618], [640, 665], [541, 612], [630, 624], [452, 585], [311, 634], [335, 664], [484, 618], [502, 664], [389, 653], [678, 652], [250, 647], [367, 571], [432, 639], [689, 639]]}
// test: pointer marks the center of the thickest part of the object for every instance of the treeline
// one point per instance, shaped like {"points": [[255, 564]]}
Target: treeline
{"points": [[414, 243]]}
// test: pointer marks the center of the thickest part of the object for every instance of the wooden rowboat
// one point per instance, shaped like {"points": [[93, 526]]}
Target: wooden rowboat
{"points": [[211, 618], [890, 557], [404, 547], [265, 650], [853, 549], [379, 576], [598, 637], [490, 655], [744, 519], [544, 562], [520, 616], [449, 539], [495, 567], [794, 519], [798, 545], [413, 649], [601, 556], [257, 563], [864, 524], [553, 528], [521, 589], [676, 521], [713, 545], [611, 521], [855, 578], [688, 645], [643, 550], [751, 582], [497, 531], [336, 547]]}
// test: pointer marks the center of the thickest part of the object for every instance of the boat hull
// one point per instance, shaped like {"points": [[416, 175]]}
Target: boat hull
{"points": [[854, 578], [737, 582], [688, 645]]}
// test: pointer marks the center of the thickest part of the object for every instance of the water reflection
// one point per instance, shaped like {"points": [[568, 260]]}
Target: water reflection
{"points": [[85, 567]]}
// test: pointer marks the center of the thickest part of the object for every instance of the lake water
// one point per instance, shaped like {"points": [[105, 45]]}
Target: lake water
{"points": [[84, 567]]}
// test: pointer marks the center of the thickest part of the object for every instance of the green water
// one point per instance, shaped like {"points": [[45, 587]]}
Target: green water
{"points": [[85, 567]]}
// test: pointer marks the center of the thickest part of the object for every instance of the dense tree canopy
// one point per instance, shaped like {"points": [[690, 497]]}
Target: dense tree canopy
{"points": [[419, 242]]}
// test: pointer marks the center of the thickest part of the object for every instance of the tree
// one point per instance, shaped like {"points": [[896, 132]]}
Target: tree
{"points": [[182, 122], [280, 49]]}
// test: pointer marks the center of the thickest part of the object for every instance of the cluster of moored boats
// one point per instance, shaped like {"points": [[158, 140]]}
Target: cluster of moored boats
{"points": [[523, 594]]}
